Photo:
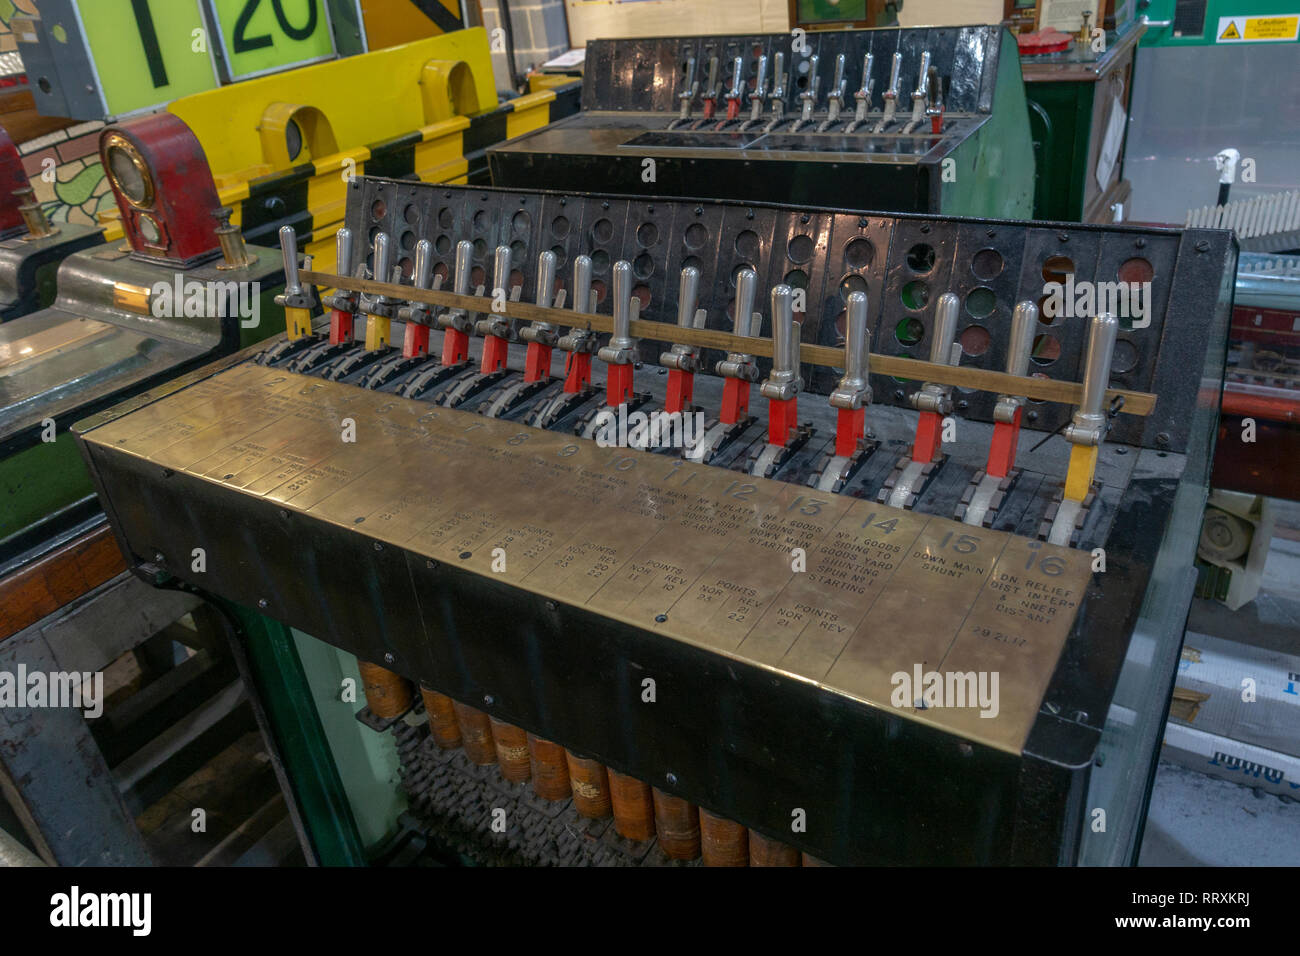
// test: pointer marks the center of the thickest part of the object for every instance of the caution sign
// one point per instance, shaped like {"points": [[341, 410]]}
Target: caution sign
{"points": [[1282, 29]]}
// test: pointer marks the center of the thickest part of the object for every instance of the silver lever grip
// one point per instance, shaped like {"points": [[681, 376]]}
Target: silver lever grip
{"points": [[1089, 424], [854, 390]]}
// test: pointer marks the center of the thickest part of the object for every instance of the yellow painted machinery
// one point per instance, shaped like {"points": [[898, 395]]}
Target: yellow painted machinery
{"points": [[283, 147]]}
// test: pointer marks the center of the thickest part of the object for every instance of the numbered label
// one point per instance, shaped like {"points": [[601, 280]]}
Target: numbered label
{"points": [[264, 36], [143, 51]]}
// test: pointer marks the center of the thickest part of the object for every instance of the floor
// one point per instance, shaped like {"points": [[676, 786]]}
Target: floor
{"points": [[1197, 820]]}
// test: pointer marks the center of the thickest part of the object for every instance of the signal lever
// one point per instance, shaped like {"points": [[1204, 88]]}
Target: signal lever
{"points": [[933, 401], [851, 398]]}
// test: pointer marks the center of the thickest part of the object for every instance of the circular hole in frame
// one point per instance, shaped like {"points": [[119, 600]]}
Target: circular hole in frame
{"points": [[920, 258], [981, 302], [1057, 268], [1125, 357], [915, 295], [1046, 350], [747, 245], [850, 284], [859, 253], [909, 331], [800, 249], [975, 340], [987, 265]]}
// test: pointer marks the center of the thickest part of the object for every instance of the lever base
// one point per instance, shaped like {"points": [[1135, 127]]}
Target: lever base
{"points": [[735, 401], [496, 351], [577, 372], [537, 362], [455, 347], [850, 426], [379, 332], [929, 437], [1002, 451], [341, 326], [415, 342], [1083, 465], [618, 385], [297, 323], [681, 391], [782, 420]]}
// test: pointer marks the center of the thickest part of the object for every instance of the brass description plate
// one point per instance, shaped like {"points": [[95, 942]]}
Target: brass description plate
{"points": [[841, 592]]}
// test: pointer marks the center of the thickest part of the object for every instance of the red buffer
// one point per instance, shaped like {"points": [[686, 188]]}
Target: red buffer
{"points": [[414, 344], [1002, 452], [735, 401], [681, 391], [495, 352], [618, 385], [537, 362], [577, 372], [341, 326], [850, 428], [929, 437]]}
